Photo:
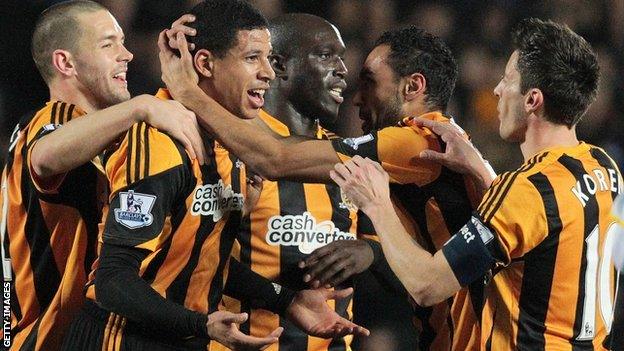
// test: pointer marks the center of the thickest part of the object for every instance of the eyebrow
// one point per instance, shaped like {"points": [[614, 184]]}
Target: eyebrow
{"points": [[112, 37]]}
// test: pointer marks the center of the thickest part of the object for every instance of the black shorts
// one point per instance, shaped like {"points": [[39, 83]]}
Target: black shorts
{"points": [[95, 330]]}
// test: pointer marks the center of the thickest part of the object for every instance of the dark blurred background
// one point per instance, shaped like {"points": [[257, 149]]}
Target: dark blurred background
{"points": [[477, 32]]}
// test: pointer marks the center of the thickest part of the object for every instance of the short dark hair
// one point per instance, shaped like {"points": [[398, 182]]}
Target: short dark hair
{"points": [[413, 50], [58, 28], [559, 62], [218, 22]]}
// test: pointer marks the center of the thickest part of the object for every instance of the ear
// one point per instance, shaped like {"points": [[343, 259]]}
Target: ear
{"points": [[415, 85], [278, 63], [63, 62], [533, 101], [203, 61]]}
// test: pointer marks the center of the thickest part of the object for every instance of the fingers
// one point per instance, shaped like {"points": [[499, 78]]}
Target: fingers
{"points": [[431, 155], [337, 178], [179, 26], [325, 276], [162, 45], [236, 318], [316, 255], [244, 341], [323, 264], [337, 294], [182, 45], [340, 277], [184, 19]]}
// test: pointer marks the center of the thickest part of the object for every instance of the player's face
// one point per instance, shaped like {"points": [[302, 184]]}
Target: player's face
{"points": [[318, 76], [242, 76], [102, 60], [510, 103], [378, 96]]}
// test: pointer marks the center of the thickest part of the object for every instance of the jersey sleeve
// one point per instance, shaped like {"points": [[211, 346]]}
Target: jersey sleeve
{"points": [[148, 175], [397, 149], [45, 122], [510, 222]]}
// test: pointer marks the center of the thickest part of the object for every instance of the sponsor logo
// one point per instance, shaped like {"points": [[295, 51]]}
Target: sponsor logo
{"points": [[51, 127], [136, 209], [215, 200], [303, 231], [355, 143]]}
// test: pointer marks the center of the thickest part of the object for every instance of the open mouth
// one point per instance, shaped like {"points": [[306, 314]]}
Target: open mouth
{"points": [[336, 94], [256, 96], [120, 77]]}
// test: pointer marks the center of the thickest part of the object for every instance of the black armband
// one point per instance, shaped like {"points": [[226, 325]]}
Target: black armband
{"points": [[467, 251]]}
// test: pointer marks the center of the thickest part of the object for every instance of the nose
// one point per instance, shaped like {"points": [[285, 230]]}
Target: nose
{"points": [[266, 72], [125, 54], [341, 69], [497, 89]]}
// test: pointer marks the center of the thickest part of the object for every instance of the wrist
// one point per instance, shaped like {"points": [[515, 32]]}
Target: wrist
{"points": [[140, 108]]}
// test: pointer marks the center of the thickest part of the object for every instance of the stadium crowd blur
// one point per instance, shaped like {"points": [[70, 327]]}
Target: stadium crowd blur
{"points": [[476, 30]]}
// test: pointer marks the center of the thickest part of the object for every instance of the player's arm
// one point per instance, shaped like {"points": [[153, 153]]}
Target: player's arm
{"points": [[428, 278], [307, 309], [81, 139], [309, 160]]}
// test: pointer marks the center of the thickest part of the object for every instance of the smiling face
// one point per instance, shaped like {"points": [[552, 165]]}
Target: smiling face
{"points": [[242, 76], [317, 74], [102, 60], [513, 122], [378, 97]]}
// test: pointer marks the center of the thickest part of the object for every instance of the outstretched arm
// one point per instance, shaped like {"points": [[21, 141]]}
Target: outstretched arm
{"points": [[80, 140]]}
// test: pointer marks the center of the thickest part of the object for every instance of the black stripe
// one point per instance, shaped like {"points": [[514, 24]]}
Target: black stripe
{"points": [[591, 220], [493, 193], [46, 277], [244, 239], [539, 266], [504, 194], [137, 153], [606, 162], [70, 113], [61, 114], [291, 201], [129, 156], [53, 113], [30, 342], [147, 151], [342, 220], [617, 327]]}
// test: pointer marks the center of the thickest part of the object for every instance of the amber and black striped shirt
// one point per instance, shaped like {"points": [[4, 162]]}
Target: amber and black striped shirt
{"points": [[432, 201], [51, 237], [289, 221], [553, 288]]}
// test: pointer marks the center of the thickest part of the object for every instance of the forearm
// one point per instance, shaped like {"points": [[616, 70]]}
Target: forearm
{"points": [[482, 175], [245, 285], [414, 266], [309, 160], [80, 140], [120, 289]]}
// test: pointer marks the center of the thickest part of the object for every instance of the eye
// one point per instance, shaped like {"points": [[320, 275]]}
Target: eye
{"points": [[324, 55], [252, 58], [107, 45]]}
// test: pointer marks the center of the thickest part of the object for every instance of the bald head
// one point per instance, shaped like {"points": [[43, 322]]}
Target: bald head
{"points": [[307, 59], [58, 27], [294, 33]]}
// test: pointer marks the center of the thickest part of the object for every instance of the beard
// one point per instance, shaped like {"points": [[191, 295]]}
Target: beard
{"points": [[391, 112], [98, 87]]}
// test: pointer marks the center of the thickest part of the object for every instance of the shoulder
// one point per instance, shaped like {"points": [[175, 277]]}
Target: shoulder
{"points": [[145, 151]]}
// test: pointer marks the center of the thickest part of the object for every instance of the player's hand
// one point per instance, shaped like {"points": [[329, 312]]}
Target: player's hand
{"points": [[310, 312], [178, 72], [180, 26], [460, 154], [254, 189], [171, 117], [332, 264], [364, 183], [222, 326]]}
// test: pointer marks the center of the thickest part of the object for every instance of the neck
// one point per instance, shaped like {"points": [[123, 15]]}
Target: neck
{"points": [[283, 110], [65, 92], [414, 109], [541, 135]]}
